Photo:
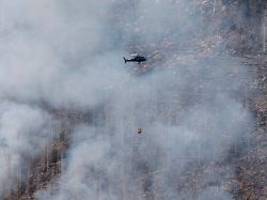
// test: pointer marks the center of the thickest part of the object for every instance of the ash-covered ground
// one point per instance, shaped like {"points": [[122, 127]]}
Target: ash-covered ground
{"points": [[72, 110]]}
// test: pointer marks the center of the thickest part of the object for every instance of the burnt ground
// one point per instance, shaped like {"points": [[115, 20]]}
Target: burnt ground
{"points": [[249, 159], [251, 173], [248, 182]]}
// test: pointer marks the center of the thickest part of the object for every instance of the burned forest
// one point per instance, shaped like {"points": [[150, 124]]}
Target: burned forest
{"points": [[133, 100]]}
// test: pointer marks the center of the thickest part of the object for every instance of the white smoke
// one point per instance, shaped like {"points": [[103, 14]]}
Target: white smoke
{"points": [[68, 55], [25, 131]]}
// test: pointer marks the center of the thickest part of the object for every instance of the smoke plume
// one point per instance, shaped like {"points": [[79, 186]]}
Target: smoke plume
{"points": [[66, 55]]}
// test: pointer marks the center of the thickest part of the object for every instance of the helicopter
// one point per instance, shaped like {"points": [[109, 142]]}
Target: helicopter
{"points": [[137, 58]]}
